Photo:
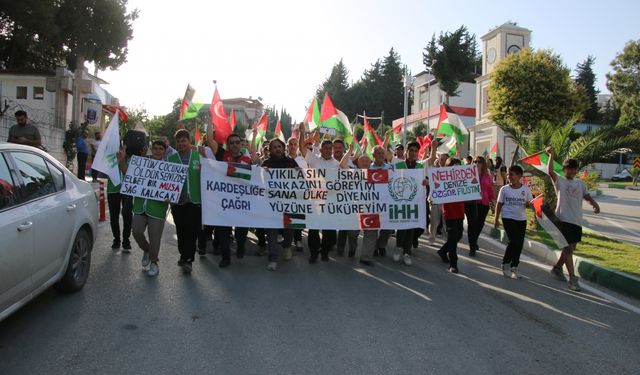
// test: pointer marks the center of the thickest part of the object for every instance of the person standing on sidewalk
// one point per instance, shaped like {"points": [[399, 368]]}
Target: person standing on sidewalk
{"points": [[487, 202], [512, 203], [83, 153], [570, 192], [150, 215], [187, 213]]}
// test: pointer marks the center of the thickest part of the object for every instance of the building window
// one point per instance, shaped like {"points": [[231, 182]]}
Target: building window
{"points": [[21, 92], [38, 93]]}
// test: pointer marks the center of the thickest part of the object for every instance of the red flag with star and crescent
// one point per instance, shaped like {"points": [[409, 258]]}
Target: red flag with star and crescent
{"points": [[369, 221], [219, 119], [377, 176]]}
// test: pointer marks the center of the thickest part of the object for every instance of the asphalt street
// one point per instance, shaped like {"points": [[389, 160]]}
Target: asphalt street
{"points": [[327, 318], [619, 216]]}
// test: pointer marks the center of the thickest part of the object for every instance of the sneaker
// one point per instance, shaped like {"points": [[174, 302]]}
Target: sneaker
{"points": [[262, 250], [153, 270], [185, 265], [406, 258], [443, 256], [574, 284], [181, 262], [557, 272], [397, 255], [115, 245], [286, 253], [298, 246], [472, 252], [224, 263], [506, 270], [272, 266], [514, 273], [202, 252], [453, 270], [126, 245], [145, 260], [366, 262]]}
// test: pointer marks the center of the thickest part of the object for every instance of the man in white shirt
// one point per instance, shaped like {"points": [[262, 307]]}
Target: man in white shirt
{"points": [[322, 160], [570, 192]]}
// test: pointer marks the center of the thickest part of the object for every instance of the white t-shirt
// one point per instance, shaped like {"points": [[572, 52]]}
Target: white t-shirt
{"points": [[570, 194], [314, 160], [301, 162], [514, 202]]}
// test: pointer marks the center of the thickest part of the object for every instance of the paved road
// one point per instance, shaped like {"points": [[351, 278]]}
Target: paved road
{"points": [[325, 319], [619, 217]]}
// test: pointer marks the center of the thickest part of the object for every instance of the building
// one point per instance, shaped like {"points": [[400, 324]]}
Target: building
{"points": [[427, 97], [248, 110], [47, 98], [496, 45]]}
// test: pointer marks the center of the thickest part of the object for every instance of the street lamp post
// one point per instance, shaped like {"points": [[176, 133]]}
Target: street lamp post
{"points": [[407, 86]]}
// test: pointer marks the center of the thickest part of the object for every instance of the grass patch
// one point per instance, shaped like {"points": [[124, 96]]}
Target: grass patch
{"points": [[610, 253], [619, 184]]}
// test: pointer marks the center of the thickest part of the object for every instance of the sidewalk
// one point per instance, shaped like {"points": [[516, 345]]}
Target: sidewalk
{"points": [[588, 270]]}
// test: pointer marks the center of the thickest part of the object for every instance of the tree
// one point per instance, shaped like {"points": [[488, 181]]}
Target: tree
{"points": [[529, 87], [337, 86], [587, 79], [392, 86], [624, 84], [366, 94], [452, 58], [45, 34]]}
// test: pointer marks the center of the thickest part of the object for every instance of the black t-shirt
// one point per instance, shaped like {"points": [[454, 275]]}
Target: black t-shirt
{"points": [[285, 162]]}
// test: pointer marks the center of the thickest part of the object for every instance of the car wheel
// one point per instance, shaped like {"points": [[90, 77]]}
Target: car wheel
{"points": [[77, 272]]}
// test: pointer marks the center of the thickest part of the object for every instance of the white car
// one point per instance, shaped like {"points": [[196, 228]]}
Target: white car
{"points": [[48, 224], [625, 175]]}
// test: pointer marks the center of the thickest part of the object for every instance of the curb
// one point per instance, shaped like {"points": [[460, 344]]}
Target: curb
{"points": [[588, 270]]}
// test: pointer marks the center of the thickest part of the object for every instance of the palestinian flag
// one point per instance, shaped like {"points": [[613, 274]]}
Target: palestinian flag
{"points": [[332, 118], [198, 136], [357, 148], [449, 147], [186, 101], [547, 224], [193, 111], [294, 221], [540, 160], [494, 151], [238, 170], [262, 126], [450, 125], [372, 137], [278, 132], [313, 115], [396, 135], [232, 119]]}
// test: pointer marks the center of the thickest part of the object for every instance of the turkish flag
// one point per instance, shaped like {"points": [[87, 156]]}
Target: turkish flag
{"points": [[369, 221], [219, 119], [377, 176]]}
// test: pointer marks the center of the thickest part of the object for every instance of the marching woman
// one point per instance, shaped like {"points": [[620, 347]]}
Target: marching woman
{"points": [[487, 202], [512, 202]]}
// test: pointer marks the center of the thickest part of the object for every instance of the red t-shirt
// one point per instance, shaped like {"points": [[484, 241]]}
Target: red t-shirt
{"points": [[453, 211]]}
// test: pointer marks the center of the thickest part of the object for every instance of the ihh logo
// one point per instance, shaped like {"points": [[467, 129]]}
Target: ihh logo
{"points": [[403, 212]]}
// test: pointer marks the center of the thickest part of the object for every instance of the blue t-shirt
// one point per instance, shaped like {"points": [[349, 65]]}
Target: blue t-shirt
{"points": [[81, 145]]}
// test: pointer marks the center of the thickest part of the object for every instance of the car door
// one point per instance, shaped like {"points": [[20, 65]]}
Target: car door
{"points": [[16, 237], [52, 214]]}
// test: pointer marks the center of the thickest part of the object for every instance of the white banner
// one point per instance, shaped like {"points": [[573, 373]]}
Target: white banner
{"points": [[251, 196], [454, 184], [153, 179]]}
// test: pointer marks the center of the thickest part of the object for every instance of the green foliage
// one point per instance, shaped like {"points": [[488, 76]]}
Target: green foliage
{"points": [[42, 35], [453, 57], [587, 79], [69, 143], [635, 172], [530, 87], [378, 92], [624, 84], [590, 179]]}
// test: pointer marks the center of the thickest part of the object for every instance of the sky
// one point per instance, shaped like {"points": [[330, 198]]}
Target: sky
{"points": [[282, 50]]}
